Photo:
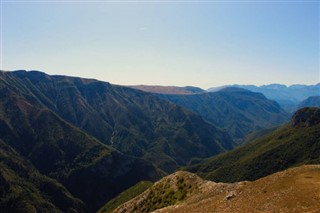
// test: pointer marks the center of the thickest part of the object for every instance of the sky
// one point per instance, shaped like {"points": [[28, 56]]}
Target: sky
{"points": [[198, 43]]}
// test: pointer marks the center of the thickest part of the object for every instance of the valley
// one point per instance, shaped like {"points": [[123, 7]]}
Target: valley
{"points": [[156, 106], [71, 144]]}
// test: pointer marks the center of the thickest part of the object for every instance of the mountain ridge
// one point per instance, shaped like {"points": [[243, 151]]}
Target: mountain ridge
{"points": [[287, 96], [85, 140], [63, 152], [136, 123], [291, 190], [187, 90]]}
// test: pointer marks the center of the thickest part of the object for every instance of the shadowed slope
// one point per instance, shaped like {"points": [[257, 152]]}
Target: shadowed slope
{"points": [[89, 169], [134, 122], [24, 189]]}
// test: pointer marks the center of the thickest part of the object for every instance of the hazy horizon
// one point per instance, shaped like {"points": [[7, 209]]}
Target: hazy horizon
{"points": [[204, 44], [217, 86]]}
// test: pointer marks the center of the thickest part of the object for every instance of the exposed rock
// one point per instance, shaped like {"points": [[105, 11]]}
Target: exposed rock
{"points": [[230, 196]]}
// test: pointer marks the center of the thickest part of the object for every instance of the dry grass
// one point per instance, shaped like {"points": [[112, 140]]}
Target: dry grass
{"points": [[294, 191], [170, 190]]}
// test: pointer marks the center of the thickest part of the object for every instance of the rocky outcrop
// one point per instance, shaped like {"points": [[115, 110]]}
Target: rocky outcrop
{"points": [[308, 116]]}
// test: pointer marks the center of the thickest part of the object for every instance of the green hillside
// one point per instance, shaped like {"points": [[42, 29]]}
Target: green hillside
{"points": [[237, 110], [72, 144], [291, 190], [295, 143], [90, 170], [170, 190], [97, 139], [126, 196], [134, 122]]}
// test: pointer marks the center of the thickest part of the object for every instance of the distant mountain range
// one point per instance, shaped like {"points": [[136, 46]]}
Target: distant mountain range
{"points": [[295, 93], [288, 97], [239, 111]]}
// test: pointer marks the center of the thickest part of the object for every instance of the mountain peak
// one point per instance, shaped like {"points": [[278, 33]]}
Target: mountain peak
{"points": [[308, 116]]}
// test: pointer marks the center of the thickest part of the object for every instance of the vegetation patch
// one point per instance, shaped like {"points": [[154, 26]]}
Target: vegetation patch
{"points": [[169, 191], [125, 196]]}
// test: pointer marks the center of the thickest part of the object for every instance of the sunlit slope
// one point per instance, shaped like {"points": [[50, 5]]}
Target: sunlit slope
{"points": [[295, 143]]}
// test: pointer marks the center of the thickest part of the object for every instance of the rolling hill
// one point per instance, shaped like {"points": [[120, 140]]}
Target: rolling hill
{"points": [[293, 144]]}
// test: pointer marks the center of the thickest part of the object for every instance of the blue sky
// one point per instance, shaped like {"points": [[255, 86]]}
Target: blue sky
{"points": [[203, 44]]}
